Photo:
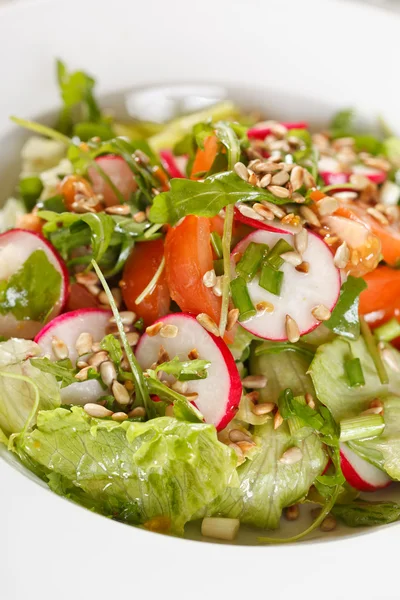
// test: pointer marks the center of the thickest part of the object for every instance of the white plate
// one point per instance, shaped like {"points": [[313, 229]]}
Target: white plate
{"points": [[300, 59]]}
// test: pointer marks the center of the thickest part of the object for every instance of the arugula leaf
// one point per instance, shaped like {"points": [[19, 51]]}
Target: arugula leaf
{"points": [[345, 319], [185, 370], [33, 290], [111, 345], [76, 92], [289, 406], [365, 514], [130, 471], [268, 485], [63, 371], [183, 408], [30, 189], [85, 131], [205, 198]]}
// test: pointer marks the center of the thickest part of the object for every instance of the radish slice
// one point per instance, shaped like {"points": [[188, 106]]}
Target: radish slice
{"points": [[330, 178], [219, 394], [259, 133], [170, 165], [68, 327], [300, 292], [258, 222], [119, 173], [359, 473], [375, 175], [16, 246]]}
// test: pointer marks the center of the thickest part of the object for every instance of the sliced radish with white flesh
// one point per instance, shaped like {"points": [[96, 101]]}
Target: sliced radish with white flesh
{"points": [[375, 175], [300, 292], [260, 133], [220, 392], [170, 164], [68, 327], [16, 246], [359, 473], [120, 174], [245, 214], [330, 178]]}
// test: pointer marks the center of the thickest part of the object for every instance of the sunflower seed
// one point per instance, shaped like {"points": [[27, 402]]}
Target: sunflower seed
{"points": [[376, 403], [209, 278], [256, 382], [265, 180], [280, 178], [308, 179], [328, 524], [276, 210], [301, 241], [97, 411], [82, 375], [310, 400], [241, 170], [239, 453], [120, 393], [264, 306], [292, 513], [233, 316], [247, 211], [378, 163], [236, 435], [298, 198], [297, 177], [127, 317], [253, 179], [119, 209], [360, 182], [208, 324], [378, 216], [217, 289], [246, 446], [342, 256], [155, 329], [107, 372], [96, 359], [293, 258], [292, 329], [180, 386], [191, 396], [169, 331], [132, 338], [327, 206], [374, 410], [278, 191], [278, 420], [303, 267], [139, 217], [137, 413], [119, 416], [291, 456], [309, 216], [263, 409], [321, 312], [263, 211], [60, 348], [84, 343], [193, 354], [87, 279]]}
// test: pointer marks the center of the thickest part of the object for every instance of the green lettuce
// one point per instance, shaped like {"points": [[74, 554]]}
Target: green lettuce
{"points": [[21, 384], [267, 485], [132, 471], [367, 514]]}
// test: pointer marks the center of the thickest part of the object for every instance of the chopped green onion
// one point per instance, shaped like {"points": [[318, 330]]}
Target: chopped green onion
{"points": [[389, 331], [241, 299], [373, 350], [226, 251], [273, 257], [362, 427], [219, 266], [354, 372], [216, 243], [270, 279], [250, 262]]}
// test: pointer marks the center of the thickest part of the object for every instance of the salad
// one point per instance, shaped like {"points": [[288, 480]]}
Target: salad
{"points": [[199, 319]]}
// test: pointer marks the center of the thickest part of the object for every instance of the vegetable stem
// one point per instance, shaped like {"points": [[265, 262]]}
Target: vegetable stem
{"points": [[362, 427], [226, 251], [389, 331], [42, 130], [373, 350]]}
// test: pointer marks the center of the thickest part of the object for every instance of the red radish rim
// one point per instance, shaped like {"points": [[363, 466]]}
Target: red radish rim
{"points": [[235, 381], [355, 480], [60, 260], [66, 316], [259, 133], [284, 339], [169, 164]]}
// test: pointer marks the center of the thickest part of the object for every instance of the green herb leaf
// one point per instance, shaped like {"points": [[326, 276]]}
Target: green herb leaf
{"points": [[33, 291], [185, 370], [62, 370], [30, 189], [205, 198], [345, 319], [366, 514], [111, 345]]}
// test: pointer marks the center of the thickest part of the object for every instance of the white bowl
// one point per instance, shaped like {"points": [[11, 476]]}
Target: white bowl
{"points": [[296, 60]]}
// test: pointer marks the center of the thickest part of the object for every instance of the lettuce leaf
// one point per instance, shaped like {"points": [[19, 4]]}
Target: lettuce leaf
{"points": [[267, 485], [132, 471], [19, 381], [286, 369]]}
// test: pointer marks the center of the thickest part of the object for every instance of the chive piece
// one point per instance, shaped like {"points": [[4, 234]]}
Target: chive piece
{"points": [[250, 262], [241, 299], [354, 372], [273, 257], [270, 279], [216, 243], [362, 427], [372, 348], [219, 266], [30, 189], [389, 331]]}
